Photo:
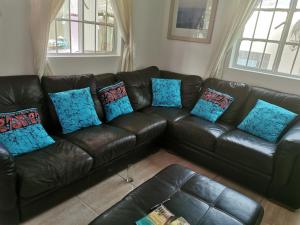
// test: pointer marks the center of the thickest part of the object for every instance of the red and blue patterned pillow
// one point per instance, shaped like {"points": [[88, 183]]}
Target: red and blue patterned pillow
{"points": [[211, 105], [22, 132], [114, 100]]}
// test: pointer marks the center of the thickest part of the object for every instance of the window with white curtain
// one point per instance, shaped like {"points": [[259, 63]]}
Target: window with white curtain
{"points": [[83, 27], [271, 39]]}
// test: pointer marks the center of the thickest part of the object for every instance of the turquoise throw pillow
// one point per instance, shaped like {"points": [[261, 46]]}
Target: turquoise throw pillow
{"points": [[166, 92], [267, 121], [75, 109], [115, 101], [21, 132], [211, 105]]}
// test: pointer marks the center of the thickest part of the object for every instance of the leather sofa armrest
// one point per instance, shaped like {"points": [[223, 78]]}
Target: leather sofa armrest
{"points": [[8, 195], [285, 183]]}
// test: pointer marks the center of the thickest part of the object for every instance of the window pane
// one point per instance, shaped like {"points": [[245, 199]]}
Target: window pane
{"points": [[250, 25], [89, 10], [110, 38], [101, 11], [63, 37], [64, 11], [256, 54], [267, 4], [263, 25], [283, 4], [269, 56], [110, 14], [287, 59], [52, 39], [100, 38], [89, 38], [243, 53], [294, 33], [277, 26], [296, 69], [298, 4], [76, 37], [74, 6]]}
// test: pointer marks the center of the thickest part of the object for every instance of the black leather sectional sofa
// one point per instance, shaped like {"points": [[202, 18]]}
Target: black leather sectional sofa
{"points": [[34, 182]]}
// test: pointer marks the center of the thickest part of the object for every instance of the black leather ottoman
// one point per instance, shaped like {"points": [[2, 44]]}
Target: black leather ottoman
{"points": [[200, 200]]}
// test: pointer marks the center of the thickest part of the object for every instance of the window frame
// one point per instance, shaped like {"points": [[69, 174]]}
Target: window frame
{"points": [[82, 22], [281, 43]]}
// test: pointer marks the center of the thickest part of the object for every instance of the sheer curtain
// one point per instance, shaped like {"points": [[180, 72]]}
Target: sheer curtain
{"points": [[43, 12], [245, 9], [123, 13]]}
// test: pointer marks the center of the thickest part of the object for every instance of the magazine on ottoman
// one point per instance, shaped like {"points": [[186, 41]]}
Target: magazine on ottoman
{"points": [[161, 216]]}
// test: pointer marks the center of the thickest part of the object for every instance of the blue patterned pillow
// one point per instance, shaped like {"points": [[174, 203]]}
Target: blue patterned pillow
{"points": [[267, 121], [75, 109], [166, 92], [21, 132], [115, 101], [211, 105]]}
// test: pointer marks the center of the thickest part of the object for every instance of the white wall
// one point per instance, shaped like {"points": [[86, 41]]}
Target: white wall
{"points": [[147, 31], [189, 57], [15, 44]]}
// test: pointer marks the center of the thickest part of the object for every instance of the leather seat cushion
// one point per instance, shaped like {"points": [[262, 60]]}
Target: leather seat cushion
{"points": [[104, 143], [198, 199], [247, 150], [146, 127], [51, 168], [198, 132], [170, 114]]}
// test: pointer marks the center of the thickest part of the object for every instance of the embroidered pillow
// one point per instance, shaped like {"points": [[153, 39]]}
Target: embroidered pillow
{"points": [[115, 100], [21, 132], [211, 105], [267, 121], [166, 92], [75, 109]]}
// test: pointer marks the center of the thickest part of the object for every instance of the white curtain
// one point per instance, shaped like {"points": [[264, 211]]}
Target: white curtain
{"points": [[244, 11], [123, 13], [43, 12]]}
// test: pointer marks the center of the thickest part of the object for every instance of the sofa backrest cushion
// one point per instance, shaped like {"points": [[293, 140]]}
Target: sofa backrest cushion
{"points": [[288, 101], [23, 92], [105, 80], [240, 93], [138, 86], [190, 87], [53, 84]]}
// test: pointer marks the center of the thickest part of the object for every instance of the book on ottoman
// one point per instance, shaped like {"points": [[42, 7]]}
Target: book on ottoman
{"points": [[161, 216]]}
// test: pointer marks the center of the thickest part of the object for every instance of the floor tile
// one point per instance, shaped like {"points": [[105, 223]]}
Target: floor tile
{"points": [[277, 215], [105, 194], [71, 212], [148, 167]]}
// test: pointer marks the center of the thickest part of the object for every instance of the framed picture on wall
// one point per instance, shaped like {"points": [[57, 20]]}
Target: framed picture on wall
{"points": [[192, 20]]}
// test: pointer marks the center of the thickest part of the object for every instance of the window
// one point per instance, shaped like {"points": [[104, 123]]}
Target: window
{"points": [[271, 39], [83, 27]]}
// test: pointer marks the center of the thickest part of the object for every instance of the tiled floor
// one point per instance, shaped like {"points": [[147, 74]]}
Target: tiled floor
{"points": [[83, 208]]}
